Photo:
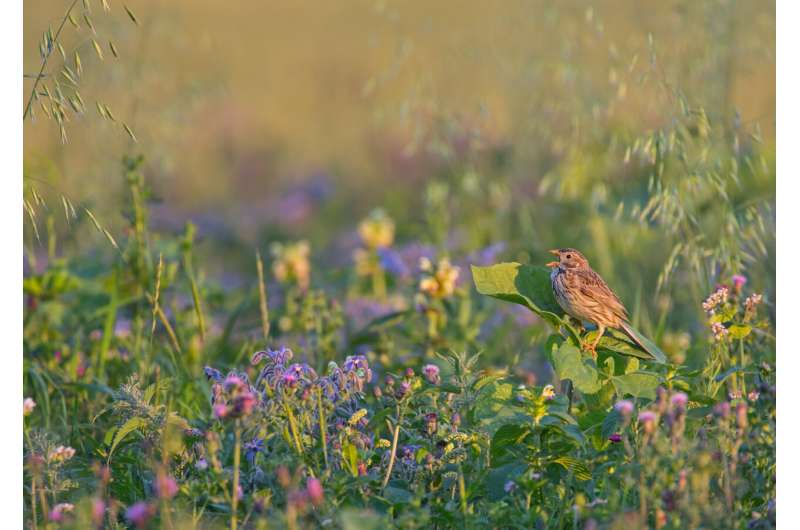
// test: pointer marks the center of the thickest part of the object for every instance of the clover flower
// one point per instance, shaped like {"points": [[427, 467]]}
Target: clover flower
{"points": [[431, 423], [27, 406], [719, 332], [722, 410], [738, 282], [716, 298]]}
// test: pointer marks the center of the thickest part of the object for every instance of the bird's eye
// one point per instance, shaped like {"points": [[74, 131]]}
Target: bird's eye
{"points": [[569, 256]]}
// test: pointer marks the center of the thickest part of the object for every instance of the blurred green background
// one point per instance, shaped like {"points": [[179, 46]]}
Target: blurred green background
{"points": [[642, 133]]}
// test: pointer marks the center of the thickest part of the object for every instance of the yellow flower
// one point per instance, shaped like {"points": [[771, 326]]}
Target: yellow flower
{"points": [[377, 230], [356, 417], [548, 392], [441, 282], [292, 263], [383, 443]]}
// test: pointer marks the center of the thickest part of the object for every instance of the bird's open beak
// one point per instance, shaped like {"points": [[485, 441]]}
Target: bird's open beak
{"points": [[553, 263]]}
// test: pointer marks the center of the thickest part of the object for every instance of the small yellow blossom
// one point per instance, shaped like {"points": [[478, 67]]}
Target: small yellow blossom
{"points": [[548, 392], [383, 443], [441, 282], [356, 417], [292, 263], [377, 230]]}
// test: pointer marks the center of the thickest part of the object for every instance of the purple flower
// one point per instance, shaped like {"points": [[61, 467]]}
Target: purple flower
{"points": [[722, 410], [615, 438], [213, 374], [220, 410], [252, 448], [431, 373], [647, 416], [243, 404], [140, 513], [509, 486], [679, 400], [392, 262], [315, 492], [58, 511], [402, 390], [166, 487], [624, 407], [738, 282]]}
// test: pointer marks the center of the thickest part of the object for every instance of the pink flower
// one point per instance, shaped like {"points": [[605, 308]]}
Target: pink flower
{"points": [[431, 373], [98, 511], [315, 491], [738, 282], [166, 487], [647, 416], [58, 511], [220, 410], [680, 400], [27, 406], [624, 407], [140, 513]]}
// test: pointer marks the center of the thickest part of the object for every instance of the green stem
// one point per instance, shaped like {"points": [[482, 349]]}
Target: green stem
{"points": [[235, 486], [323, 427], [394, 448]]}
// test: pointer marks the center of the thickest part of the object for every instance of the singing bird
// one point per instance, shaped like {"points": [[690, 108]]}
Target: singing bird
{"points": [[583, 295]]}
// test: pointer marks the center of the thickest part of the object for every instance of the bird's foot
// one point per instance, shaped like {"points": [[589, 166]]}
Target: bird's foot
{"points": [[590, 348]]}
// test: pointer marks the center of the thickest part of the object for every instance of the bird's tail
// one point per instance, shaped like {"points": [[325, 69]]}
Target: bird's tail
{"points": [[644, 343]]}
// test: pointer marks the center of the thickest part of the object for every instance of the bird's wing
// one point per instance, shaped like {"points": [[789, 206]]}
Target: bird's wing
{"points": [[593, 286]]}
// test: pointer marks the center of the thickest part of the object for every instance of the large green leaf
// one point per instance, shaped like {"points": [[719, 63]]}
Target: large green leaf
{"points": [[637, 384], [526, 285], [569, 364], [128, 427]]}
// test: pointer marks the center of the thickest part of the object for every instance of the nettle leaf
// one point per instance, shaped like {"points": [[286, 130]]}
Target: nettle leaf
{"points": [[574, 465], [637, 384], [525, 285], [397, 495], [128, 427], [494, 407], [506, 437], [569, 364]]}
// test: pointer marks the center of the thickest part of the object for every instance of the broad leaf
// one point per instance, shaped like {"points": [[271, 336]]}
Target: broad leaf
{"points": [[580, 469], [131, 425], [637, 384], [569, 364], [526, 285]]}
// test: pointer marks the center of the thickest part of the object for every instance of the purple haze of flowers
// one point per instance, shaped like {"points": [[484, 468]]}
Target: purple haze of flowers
{"points": [[392, 262], [680, 400]]}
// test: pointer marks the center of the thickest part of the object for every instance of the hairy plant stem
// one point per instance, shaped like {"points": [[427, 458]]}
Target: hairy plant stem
{"points": [[393, 454]]}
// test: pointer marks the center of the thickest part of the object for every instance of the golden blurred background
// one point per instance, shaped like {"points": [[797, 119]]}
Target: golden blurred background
{"points": [[233, 102]]}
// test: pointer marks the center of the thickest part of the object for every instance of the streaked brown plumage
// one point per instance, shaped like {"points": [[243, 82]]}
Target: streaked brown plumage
{"points": [[584, 295]]}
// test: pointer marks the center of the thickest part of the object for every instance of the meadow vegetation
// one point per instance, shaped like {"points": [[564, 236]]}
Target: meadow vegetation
{"points": [[258, 298]]}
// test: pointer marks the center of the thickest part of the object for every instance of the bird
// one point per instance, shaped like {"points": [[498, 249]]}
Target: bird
{"points": [[585, 296]]}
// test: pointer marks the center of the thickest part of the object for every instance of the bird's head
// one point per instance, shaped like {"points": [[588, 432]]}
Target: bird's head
{"points": [[568, 258]]}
